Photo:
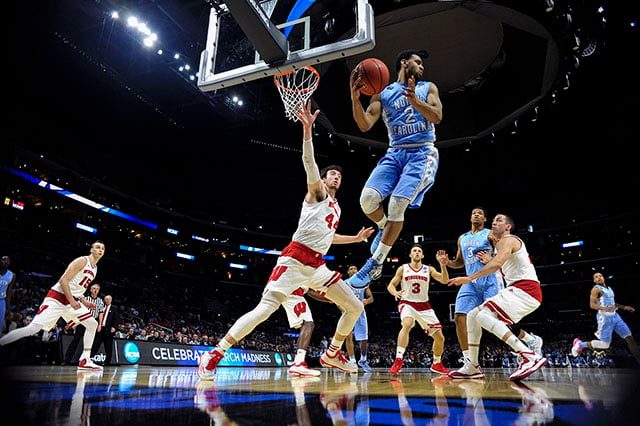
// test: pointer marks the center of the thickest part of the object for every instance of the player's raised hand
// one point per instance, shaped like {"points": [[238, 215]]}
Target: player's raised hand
{"points": [[355, 84], [364, 233], [304, 114], [410, 91], [442, 257]]}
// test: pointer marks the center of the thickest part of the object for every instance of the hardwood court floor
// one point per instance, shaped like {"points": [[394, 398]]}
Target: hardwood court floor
{"points": [[132, 395]]}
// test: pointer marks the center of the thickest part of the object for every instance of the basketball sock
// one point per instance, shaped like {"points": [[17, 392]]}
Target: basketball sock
{"points": [[584, 344], [223, 346], [334, 347], [300, 356], [352, 357], [363, 357], [517, 344], [381, 252], [465, 353], [436, 359], [527, 338], [86, 354], [400, 352], [473, 354]]}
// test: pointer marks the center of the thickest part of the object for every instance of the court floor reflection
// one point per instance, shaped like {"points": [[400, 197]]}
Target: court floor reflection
{"points": [[56, 395]]}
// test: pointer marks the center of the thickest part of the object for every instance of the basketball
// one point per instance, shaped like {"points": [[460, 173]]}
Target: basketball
{"points": [[374, 75]]}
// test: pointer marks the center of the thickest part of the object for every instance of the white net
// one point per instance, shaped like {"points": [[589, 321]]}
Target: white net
{"points": [[296, 87]]}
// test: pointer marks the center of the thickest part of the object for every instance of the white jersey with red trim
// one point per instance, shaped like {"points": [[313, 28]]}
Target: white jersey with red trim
{"points": [[317, 225], [518, 265], [415, 283], [81, 281]]}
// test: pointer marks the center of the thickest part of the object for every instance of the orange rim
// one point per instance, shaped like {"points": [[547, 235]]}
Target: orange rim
{"points": [[307, 67]]}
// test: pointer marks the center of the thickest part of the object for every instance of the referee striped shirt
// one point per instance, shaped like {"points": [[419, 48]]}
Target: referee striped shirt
{"points": [[99, 305]]}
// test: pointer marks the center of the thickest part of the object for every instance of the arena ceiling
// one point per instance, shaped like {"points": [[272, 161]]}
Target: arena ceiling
{"points": [[534, 124]]}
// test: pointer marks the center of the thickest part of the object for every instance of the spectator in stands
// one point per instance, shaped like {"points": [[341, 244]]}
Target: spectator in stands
{"points": [[155, 337], [122, 332], [142, 335], [131, 334]]}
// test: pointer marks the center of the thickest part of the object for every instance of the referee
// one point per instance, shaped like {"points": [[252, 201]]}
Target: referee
{"points": [[72, 355]]}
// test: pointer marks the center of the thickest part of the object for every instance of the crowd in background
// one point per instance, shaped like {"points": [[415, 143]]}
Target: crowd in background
{"points": [[155, 316]]}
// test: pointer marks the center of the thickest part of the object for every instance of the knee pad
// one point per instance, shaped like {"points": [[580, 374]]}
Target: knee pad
{"points": [[599, 344], [370, 200], [397, 207]]}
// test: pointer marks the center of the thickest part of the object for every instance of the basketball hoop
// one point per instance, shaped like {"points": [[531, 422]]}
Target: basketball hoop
{"points": [[296, 87]]}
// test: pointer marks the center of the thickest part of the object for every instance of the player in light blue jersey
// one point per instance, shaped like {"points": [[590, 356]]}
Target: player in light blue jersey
{"points": [[7, 279], [602, 299], [361, 329], [474, 251], [410, 108]]}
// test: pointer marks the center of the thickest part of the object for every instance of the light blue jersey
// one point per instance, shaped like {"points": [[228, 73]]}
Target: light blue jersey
{"points": [[477, 291], [5, 280], [406, 127], [408, 169], [609, 322]]}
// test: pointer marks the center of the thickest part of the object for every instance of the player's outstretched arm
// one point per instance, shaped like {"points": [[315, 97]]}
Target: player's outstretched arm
{"points": [[364, 119], [362, 235], [314, 183]]}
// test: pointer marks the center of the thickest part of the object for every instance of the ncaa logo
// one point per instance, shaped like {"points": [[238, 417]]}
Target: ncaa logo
{"points": [[278, 358], [131, 352]]}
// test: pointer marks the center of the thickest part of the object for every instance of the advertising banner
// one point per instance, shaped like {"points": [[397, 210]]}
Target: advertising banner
{"points": [[130, 352]]}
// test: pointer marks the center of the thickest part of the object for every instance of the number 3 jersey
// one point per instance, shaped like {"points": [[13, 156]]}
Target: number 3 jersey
{"points": [[80, 281], [317, 225], [415, 283]]}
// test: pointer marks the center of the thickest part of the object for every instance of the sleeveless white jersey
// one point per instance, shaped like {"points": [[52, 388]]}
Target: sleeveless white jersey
{"points": [[80, 281], [317, 225], [415, 283], [518, 265]]}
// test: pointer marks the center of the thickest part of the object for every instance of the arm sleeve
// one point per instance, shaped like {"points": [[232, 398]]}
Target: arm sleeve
{"points": [[310, 166]]}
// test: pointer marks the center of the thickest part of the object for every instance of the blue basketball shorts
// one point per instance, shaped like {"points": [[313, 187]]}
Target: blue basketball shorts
{"points": [[608, 324], [475, 293], [406, 173]]}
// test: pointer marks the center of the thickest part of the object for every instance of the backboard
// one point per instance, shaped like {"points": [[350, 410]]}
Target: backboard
{"points": [[289, 33]]}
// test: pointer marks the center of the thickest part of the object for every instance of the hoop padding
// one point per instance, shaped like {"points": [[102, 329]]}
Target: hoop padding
{"points": [[296, 87]]}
